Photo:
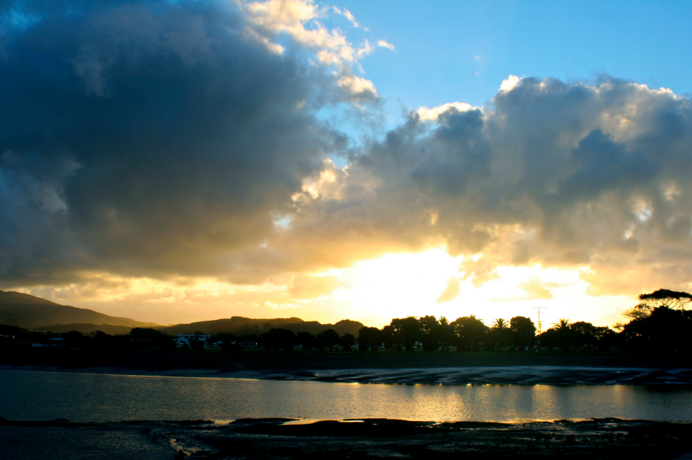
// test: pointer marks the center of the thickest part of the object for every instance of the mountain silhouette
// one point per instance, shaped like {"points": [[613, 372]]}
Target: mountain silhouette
{"points": [[28, 311]]}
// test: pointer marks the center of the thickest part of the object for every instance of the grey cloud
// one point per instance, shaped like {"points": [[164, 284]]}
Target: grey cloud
{"points": [[605, 165], [146, 138], [154, 138], [555, 173]]}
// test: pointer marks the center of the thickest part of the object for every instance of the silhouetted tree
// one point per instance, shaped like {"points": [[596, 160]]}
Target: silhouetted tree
{"points": [[305, 340], [562, 332], [446, 334], [499, 324], [429, 333], [347, 341], [469, 333], [197, 345], [146, 333], [369, 338], [388, 336], [21, 334], [167, 344], [665, 298], [675, 300], [229, 342], [329, 338], [499, 334], [102, 341], [548, 338], [582, 334], [664, 330], [74, 339], [605, 338], [250, 338], [406, 331], [523, 329], [277, 338]]}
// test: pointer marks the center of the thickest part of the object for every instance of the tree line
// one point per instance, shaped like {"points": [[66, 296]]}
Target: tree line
{"points": [[658, 323]]}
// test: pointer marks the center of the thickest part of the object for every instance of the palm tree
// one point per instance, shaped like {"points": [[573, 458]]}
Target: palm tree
{"points": [[446, 333], [500, 324], [499, 333], [561, 325]]}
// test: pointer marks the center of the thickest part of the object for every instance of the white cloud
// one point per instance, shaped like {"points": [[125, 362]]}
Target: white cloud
{"points": [[364, 50], [299, 19], [433, 114], [509, 84], [348, 15], [357, 85], [385, 44]]}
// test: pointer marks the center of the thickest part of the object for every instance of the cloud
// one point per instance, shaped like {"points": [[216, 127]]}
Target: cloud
{"points": [[480, 271], [348, 15], [148, 140], [509, 83], [565, 175], [359, 87], [299, 19], [385, 44], [175, 297], [452, 290], [166, 140], [311, 287], [535, 289], [432, 114]]}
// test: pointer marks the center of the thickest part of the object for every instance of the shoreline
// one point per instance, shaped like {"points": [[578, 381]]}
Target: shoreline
{"points": [[260, 360], [466, 376], [342, 439], [481, 368]]}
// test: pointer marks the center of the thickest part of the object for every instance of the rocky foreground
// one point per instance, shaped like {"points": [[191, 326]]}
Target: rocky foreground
{"points": [[348, 439]]}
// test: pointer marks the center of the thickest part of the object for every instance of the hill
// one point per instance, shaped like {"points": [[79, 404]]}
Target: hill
{"points": [[28, 311], [240, 325], [32, 312], [86, 328]]}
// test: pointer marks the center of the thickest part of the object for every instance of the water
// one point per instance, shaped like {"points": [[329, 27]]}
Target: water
{"points": [[36, 395]]}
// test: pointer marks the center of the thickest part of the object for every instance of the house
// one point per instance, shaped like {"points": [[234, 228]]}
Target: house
{"points": [[187, 339], [52, 343]]}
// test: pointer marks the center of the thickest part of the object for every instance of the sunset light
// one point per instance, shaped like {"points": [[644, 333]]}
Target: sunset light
{"points": [[283, 160], [330, 229]]}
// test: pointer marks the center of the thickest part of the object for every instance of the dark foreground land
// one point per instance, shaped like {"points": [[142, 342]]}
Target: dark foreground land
{"points": [[260, 360], [364, 439]]}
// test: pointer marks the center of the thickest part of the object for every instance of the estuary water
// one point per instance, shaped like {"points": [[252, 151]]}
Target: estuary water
{"points": [[85, 397]]}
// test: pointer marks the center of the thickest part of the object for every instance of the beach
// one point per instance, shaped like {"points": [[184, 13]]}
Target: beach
{"points": [[361, 439]]}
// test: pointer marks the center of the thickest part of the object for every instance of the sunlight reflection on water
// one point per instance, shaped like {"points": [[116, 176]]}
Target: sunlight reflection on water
{"points": [[36, 395]]}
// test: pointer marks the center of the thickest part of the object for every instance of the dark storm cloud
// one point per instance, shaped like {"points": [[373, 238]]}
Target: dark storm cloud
{"points": [[145, 138], [163, 138]]}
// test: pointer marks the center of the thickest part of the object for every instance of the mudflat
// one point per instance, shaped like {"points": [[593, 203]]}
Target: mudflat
{"points": [[495, 368], [346, 439]]}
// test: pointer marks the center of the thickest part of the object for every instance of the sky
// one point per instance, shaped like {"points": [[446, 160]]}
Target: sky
{"points": [[178, 161]]}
